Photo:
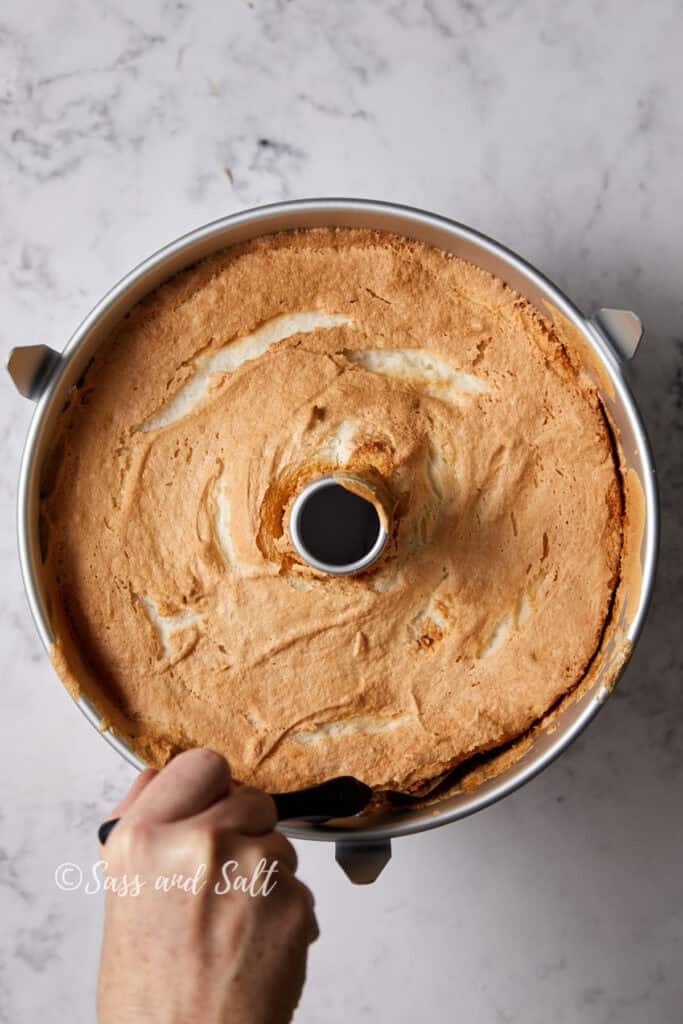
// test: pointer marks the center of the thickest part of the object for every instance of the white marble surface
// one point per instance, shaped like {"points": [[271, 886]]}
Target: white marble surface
{"points": [[557, 128]]}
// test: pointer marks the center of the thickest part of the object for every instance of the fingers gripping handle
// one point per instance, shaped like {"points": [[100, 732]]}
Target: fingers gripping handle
{"points": [[336, 798]]}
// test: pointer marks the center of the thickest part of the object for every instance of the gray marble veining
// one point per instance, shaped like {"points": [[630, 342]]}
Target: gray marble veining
{"points": [[558, 129]]}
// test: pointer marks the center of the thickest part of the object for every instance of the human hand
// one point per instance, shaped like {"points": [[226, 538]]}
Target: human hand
{"points": [[178, 957]]}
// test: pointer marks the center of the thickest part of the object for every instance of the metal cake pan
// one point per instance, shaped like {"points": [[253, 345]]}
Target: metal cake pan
{"points": [[363, 844]]}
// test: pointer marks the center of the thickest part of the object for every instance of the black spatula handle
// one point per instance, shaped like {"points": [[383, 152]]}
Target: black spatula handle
{"points": [[336, 798]]}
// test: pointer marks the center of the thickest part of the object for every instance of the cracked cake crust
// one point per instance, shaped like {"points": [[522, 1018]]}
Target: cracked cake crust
{"points": [[178, 604]]}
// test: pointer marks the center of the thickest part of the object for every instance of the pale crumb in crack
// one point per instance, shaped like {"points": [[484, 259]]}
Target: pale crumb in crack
{"points": [[498, 636], [363, 724], [523, 610], [338, 447], [421, 369], [421, 532], [438, 471], [233, 355], [222, 522], [537, 583], [382, 582], [298, 582], [360, 644], [513, 619], [166, 625]]}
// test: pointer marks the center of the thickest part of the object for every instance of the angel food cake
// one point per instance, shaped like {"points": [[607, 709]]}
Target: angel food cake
{"points": [[178, 602]]}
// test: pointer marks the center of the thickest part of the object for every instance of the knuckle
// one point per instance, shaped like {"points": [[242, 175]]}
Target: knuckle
{"points": [[282, 851], [259, 849], [132, 841], [203, 843], [302, 921], [300, 909], [257, 856], [212, 844], [289, 854], [305, 894]]}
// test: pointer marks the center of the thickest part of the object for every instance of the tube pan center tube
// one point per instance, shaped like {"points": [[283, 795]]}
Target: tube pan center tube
{"points": [[339, 523]]}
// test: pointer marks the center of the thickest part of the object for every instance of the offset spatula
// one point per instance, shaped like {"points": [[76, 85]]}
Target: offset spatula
{"points": [[337, 798]]}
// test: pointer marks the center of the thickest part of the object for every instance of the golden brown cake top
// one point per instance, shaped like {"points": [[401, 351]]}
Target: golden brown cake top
{"points": [[179, 603]]}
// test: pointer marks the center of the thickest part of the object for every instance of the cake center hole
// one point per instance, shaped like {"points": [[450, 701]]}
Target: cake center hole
{"points": [[338, 527]]}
